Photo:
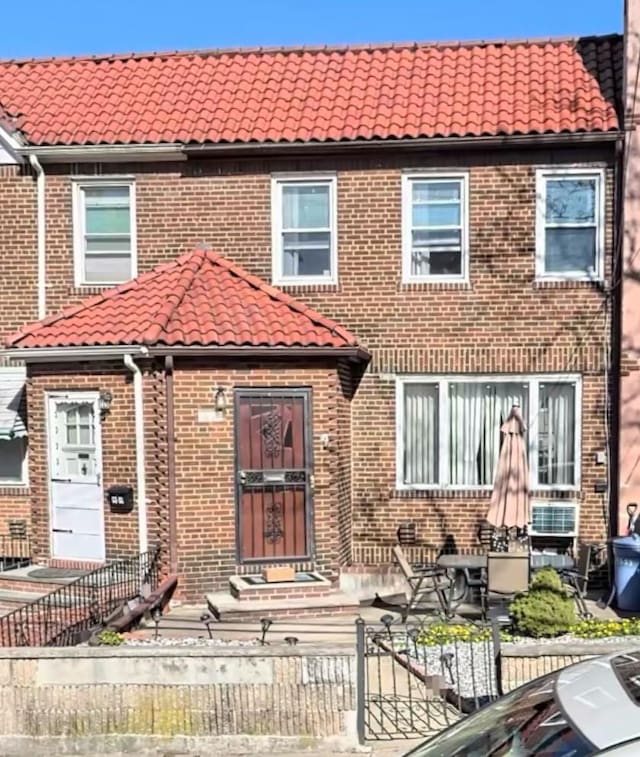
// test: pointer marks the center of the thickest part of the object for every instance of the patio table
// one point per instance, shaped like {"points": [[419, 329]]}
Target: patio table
{"points": [[468, 569]]}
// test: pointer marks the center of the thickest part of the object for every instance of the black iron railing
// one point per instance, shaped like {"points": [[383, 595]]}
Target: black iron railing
{"points": [[66, 616], [411, 685]]}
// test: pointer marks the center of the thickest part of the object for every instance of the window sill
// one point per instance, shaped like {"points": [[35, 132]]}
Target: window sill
{"points": [[83, 290], [567, 283], [14, 490], [317, 286], [420, 285]]}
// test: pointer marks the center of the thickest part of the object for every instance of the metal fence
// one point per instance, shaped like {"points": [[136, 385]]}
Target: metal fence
{"points": [[410, 687], [66, 616]]}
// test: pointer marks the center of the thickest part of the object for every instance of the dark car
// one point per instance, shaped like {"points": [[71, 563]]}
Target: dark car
{"points": [[590, 708]]}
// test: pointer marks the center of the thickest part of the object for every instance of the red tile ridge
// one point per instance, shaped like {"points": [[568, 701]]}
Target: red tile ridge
{"points": [[300, 49], [280, 296]]}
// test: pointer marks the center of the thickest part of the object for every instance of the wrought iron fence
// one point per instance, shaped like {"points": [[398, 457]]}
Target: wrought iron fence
{"points": [[66, 616], [410, 685]]}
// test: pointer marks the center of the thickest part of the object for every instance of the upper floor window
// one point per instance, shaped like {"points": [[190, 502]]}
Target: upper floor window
{"points": [[104, 232], [448, 429], [570, 224], [13, 433], [303, 222], [435, 221]]}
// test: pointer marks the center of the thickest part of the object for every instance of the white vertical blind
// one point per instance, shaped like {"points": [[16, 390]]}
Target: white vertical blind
{"points": [[420, 433], [556, 463]]}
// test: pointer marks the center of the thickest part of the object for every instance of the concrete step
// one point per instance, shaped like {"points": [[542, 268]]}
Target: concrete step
{"points": [[12, 600], [242, 588], [226, 608], [21, 580]]}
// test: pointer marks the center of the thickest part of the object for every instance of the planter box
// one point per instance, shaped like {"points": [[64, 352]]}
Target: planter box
{"points": [[508, 572], [279, 574]]}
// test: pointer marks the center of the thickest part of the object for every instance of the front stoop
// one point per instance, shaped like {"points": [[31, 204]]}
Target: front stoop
{"points": [[20, 580], [227, 608], [318, 586]]}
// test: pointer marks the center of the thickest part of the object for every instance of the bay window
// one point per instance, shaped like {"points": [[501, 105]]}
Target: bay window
{"points": [[448, 429]]}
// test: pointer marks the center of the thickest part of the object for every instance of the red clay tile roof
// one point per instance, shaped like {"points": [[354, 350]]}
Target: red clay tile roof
{"points": [[200, 299], [390, 91]]}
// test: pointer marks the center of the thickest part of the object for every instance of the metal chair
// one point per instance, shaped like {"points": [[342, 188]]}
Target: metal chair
{"points": [[425, 579], [507, 574], [577, 579]]}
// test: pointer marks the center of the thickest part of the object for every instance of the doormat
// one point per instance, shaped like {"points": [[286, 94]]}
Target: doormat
{"points": [[57, 573], [303, 578]]}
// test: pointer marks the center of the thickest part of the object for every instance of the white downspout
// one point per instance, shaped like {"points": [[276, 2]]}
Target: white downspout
{"points": [[140, 467], [42, 239]]}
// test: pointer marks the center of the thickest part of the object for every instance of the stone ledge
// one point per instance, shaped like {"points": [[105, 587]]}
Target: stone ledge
{"points": [[270, 650], [566, 649]]}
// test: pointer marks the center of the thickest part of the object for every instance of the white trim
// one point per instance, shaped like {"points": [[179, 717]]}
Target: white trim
{"points": [[51, 398], [9, 148], [277, 182], [533, 380], [57, 354], [105, 153], [408, 178], [570, 171], [79, 217], [141, 483]]}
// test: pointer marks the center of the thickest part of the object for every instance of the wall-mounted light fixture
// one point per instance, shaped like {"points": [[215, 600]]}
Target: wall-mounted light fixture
{"points": [[220, 400], [106, 398]]}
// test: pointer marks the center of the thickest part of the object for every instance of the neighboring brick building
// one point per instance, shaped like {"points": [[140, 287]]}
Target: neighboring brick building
{"points": [[453, 207]]}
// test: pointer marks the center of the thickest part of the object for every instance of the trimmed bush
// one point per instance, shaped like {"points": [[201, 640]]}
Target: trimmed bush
{"points": [[546, 610]]}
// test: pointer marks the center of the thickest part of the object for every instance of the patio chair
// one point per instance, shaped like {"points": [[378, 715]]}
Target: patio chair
{"points": [[507, 575], [423, 580], [577, 579]]}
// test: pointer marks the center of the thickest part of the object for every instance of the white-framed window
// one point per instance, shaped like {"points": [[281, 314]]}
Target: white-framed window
{"points": [[304, 230], [448, 429], [13, 434], [555, 518], [570, 224], [435, 227], [104, 223]]}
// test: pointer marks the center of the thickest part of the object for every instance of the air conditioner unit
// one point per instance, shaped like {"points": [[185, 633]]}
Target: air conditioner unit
{"points": [[554, 518]]}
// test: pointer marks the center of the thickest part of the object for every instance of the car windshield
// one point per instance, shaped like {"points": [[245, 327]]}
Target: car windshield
{"points": [[528, 721]]}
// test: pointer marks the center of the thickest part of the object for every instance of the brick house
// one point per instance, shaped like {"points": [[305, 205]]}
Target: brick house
{"points": [[410, 238]]}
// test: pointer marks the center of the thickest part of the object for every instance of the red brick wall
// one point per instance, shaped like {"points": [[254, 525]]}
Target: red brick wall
{"points": [[501, 322]]}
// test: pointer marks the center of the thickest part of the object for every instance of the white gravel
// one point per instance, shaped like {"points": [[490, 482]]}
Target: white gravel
{"points": [[192, 641], [467, 667]]}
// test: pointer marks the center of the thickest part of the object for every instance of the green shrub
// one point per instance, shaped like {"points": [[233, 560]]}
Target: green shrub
{"points": [[109, 638], [547, 578], [546, 610]]}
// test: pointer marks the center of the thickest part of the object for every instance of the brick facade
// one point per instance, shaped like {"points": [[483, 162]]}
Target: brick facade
{"points": [[502, 321]]}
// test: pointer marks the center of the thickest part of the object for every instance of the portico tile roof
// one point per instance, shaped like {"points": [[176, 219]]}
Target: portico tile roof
{"points": [[198, 300]]}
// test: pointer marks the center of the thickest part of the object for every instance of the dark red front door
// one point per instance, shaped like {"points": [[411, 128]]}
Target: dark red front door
{"points": [[273, 474]]}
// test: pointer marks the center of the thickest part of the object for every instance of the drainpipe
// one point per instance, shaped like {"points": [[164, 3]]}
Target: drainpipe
{"points": [[41, 216], [140, 467], [171, 467]]}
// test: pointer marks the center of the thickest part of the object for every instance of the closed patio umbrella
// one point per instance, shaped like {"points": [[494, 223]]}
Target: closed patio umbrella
{"points": [[509, 506]]}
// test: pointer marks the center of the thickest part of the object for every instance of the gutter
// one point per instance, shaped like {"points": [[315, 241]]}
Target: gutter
{"points": [[353, 353], [64, 354], [143, 544], [42, 242], [104, 153], [171, 467], [177, 151]]}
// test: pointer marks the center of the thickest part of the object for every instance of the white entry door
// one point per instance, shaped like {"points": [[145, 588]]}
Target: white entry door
{"points": [[77, 518]]}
